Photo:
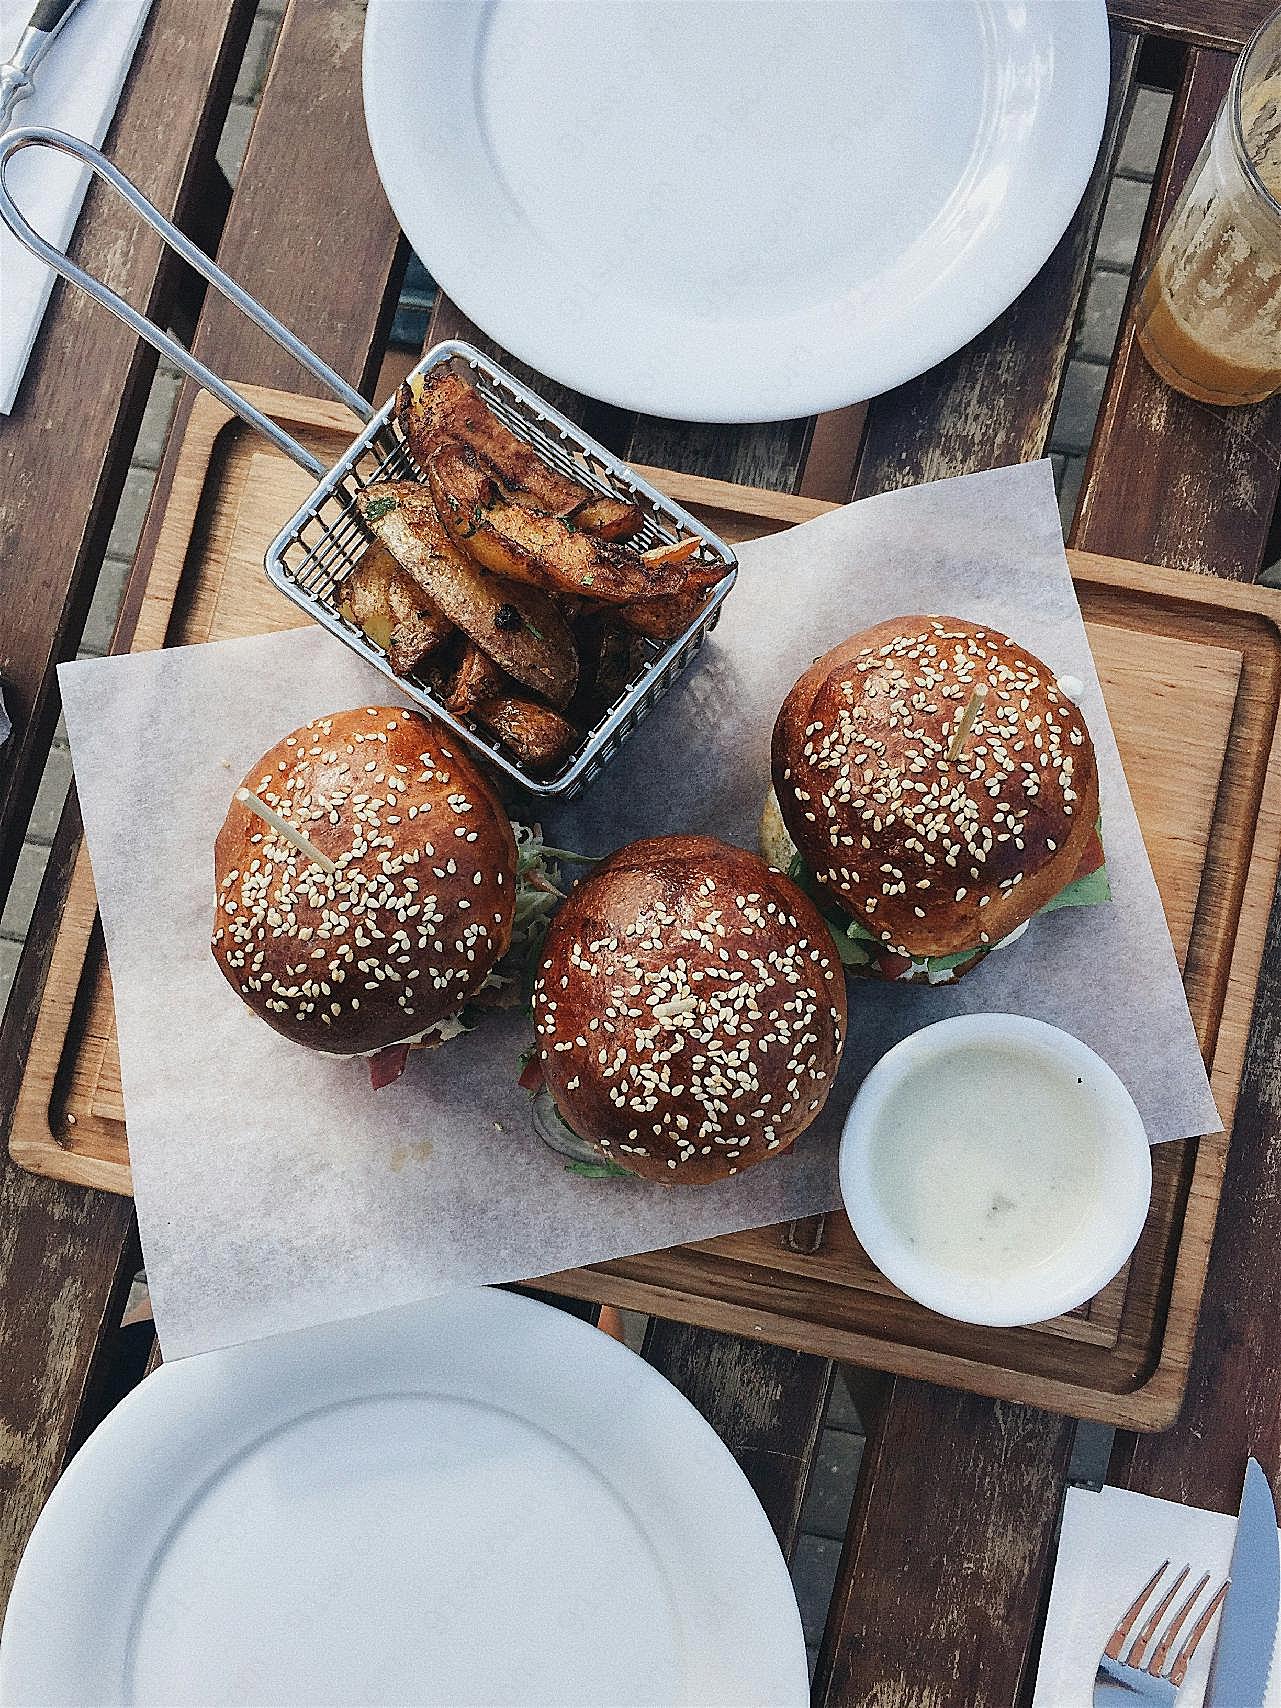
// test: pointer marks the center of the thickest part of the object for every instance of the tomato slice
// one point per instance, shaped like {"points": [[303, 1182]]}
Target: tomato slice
{"points": [[386, 1066], [1091, 859]]}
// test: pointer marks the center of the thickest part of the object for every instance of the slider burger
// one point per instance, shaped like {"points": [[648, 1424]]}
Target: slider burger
{"points": [[689, 1010], [368, 887], [934, 788]]}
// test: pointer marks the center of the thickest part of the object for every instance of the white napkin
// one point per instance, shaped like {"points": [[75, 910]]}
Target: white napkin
{"points": [[1111, 1544], [77, 86]]}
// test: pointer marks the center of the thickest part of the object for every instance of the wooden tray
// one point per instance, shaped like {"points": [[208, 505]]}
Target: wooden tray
{"points": [[1191, 668]]}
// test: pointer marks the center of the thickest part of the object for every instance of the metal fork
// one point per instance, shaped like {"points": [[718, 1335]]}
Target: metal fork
{"points": [[1137, 1679]]}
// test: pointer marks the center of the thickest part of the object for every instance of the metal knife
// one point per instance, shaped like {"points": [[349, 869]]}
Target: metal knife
{"points": [[46, 20], [1248, 1624]]}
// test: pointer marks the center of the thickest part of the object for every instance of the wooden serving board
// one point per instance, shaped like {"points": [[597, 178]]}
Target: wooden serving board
{"points": [[1191, 669]]}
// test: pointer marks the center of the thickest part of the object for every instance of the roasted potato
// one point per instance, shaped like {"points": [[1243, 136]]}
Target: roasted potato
{"points": [[478, 678], [617, 657], [393, 610], [663, 619], [609, 657], [610, 518], [538, 736], [445, 407], [539, 548], [520, 628]]}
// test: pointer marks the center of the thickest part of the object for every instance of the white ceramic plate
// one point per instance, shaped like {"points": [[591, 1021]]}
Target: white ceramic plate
{"points": [[477, 1501], [742, 210]]}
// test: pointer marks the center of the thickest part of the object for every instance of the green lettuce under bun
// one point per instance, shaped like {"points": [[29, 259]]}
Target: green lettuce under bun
{"points": [[861, 952]]}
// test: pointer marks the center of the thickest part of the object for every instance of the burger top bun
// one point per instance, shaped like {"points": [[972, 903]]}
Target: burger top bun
{"points": [[419, 908], [934, 855], [690, 1010]]}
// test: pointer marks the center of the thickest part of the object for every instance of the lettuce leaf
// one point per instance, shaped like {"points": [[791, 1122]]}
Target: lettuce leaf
{"points": [[858, 947], [599, 1171], [538, 895], [1085, 891], [848, 935]]}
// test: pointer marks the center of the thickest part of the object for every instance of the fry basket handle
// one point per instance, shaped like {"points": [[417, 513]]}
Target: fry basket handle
{"points": [[40, 136]]}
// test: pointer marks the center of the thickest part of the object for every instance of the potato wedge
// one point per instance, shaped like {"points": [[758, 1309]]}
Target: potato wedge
{"points": [[617, 659], [610, 518], [609, 657], [445, 407], [519, 627], [663, 619], [393, 610], [478, 678], [539, 548], [674, 551], [536, 735]]}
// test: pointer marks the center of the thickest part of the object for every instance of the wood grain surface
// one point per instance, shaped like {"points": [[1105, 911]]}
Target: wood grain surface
{"points": [[1204, 23], [1201, 485], [64, 452], [766, 1405], [946, 1554], [88, 376], [65, 1254]]}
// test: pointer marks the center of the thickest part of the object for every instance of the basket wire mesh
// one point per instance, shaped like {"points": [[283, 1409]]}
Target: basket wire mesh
{"points": [[321, 545]]}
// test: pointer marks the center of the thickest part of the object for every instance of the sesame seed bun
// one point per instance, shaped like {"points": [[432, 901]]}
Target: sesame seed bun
{"points": [[690, 1010], [935, 855], [419, 909]]}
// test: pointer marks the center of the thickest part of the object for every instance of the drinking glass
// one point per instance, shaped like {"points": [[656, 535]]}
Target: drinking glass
{"points": [[1209, 318]]}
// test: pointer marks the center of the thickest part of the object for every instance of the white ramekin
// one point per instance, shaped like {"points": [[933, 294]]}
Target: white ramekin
{"points": [[1079, 1269]]}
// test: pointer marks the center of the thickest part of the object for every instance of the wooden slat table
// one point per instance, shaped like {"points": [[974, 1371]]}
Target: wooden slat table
{"points": [[945, 1566]]}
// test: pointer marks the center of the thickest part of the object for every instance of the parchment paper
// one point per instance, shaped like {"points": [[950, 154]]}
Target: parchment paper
{"points": [[275, 1189]]}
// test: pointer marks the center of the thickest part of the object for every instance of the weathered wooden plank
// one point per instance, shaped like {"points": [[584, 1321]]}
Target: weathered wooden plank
{"points": [[88, 377], [1223, 467], [948, 1543], [992, 403], [1204, 23], [832, 457], [1233, 1403], [1170, 480], [313, 236], [62, 1286], [324, 255], [61, 1277], [61, 1249], [768, 453], [766, 1404]]}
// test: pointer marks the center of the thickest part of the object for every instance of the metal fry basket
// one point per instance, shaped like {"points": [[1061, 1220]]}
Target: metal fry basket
{"points": [[318, 548]]}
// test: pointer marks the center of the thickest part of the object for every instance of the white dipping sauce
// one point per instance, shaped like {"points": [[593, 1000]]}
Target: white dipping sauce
{"points": [[988, 1163], [995, 1169]]}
